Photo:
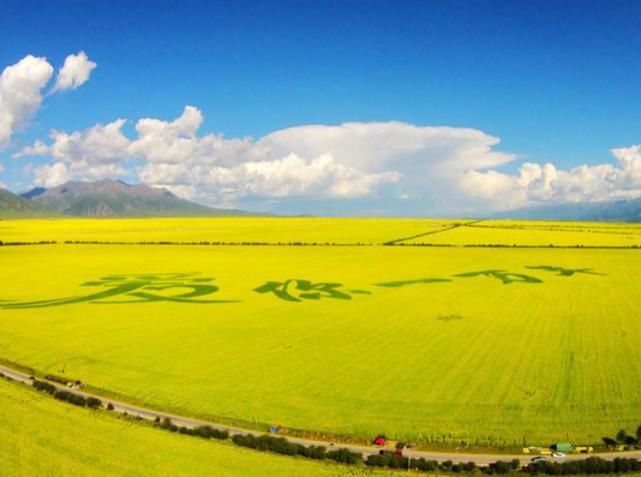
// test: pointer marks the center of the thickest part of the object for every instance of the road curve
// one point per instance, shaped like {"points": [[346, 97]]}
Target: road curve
{"points": [[456, 457]]}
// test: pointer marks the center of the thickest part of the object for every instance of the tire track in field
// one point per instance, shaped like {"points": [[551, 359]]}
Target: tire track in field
{"points": [[432, 232]]}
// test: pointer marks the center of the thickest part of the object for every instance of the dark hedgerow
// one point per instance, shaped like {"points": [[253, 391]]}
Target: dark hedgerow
{"points": [[314, 452], [424, 465], [345, 456], [70, 397], [388, 460], [165, 423], [44, 386], [591, 465], [280, 445], [77, 400], [208, 432], [62, 395], [93, 402], [503, 467]]}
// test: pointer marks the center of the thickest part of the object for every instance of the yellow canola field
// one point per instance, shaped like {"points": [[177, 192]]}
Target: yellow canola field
{"points": [[534, 234], [427, 344], [224, 229]]}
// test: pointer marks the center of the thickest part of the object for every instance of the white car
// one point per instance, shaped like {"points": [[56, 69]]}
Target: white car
{"points": [[558, 455]]}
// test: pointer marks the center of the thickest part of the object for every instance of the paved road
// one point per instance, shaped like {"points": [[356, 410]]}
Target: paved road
{"points": [[150, 414]]}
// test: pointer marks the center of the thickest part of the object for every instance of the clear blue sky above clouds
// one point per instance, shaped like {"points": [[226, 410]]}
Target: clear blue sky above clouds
{"points": [[557, 82]]}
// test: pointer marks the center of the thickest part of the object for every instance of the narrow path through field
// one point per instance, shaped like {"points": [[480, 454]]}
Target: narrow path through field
{"points": [[433, 232], [440, 456]]}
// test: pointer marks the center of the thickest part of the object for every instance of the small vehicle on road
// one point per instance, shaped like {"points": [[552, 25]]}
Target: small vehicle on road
{"points": [[558, 455], [538, 458]]}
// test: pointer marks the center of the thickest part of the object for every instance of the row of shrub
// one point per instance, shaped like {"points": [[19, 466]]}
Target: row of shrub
{"points": [[207, 242], [206, 432], [44, 386], [280, 445], [68, 396], [394, 461], [591, 465], [625, 439], [14, 244]]}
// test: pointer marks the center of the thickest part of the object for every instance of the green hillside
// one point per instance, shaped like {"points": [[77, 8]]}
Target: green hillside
{"points": [[109, 198], [13, 206]]}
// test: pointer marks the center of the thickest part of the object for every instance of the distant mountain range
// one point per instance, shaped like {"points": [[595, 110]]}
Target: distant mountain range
{"points": [[106, 198], [111, 198], [607, 211], [14, 206]]}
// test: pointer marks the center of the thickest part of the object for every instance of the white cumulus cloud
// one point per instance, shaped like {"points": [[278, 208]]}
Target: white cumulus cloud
{"points": [[21, 88], [51, 175], [209, 167], [75, 72], [408, 169], [22, 85], [97, 153], [536, 184], [350, 160]]}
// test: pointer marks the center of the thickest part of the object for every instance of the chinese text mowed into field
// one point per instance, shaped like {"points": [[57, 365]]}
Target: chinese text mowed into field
{"points": [[429, 344]]}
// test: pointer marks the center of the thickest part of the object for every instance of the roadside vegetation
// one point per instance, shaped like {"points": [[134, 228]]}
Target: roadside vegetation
{"points": [[385, 458], [41, 436]]}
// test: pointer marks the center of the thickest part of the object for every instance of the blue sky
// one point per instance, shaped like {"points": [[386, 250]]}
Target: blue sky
{"points": [[556, 82]]}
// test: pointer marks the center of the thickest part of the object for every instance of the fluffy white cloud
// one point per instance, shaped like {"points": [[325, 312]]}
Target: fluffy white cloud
{"points": [[409, 169], [51, 175], [174, 142], [22, 84], [21, 88], [346, 161], [75, 72], [290, 176], [38, 148], [209, 167], [536, 184], [377, 145], [97, 153]]}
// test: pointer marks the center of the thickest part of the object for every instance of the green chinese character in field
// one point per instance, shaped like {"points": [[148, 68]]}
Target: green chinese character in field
{"points": [[405, 283], [564, 272], [502, 275], [138, 288], [297, 290]]}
